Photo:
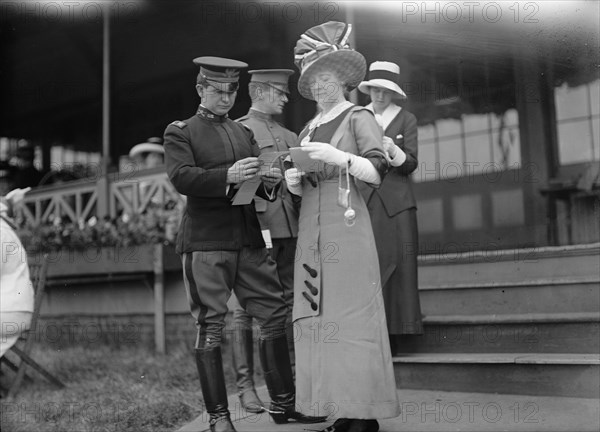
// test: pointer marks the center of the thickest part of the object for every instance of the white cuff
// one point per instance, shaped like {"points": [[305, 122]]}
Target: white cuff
{"points": [[296, 189], [399, 159], [363, 169]]}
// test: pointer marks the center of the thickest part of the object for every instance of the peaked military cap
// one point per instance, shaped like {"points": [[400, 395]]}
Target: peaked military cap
{"points": [[220, 70], [277, 78]]}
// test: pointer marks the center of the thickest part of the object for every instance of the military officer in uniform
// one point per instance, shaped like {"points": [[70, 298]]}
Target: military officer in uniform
{"points": [[269, 91], [207, 156]]}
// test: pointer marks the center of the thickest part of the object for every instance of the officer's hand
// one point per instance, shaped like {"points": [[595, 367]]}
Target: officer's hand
{"points": [[293, 176], [242, 170], [272, 178], [325, 152]]}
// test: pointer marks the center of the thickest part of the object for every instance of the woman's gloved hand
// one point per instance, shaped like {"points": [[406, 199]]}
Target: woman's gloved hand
{"points": [[325, 152]]}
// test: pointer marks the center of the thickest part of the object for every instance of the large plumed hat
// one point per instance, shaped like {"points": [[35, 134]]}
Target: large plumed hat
{"points": [[386, 75], [325, 47]]}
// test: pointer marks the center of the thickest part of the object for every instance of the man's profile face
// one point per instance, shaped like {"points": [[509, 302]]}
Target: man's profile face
{"points": [[271, 100], [217, 99]]}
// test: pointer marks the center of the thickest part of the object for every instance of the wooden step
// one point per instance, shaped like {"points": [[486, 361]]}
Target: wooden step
{"points": [[573, 375], [528, 333], [511, 266], [560, 295]]}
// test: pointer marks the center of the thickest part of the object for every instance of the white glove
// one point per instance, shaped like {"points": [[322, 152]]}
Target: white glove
{"points": [[293, 176], [326, 153], [389, 146], [395, 154], [293, 179], [363, 169]]}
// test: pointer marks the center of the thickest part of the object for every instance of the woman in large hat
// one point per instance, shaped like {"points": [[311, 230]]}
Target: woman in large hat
{"points": [[343, 360], [393, 207]]}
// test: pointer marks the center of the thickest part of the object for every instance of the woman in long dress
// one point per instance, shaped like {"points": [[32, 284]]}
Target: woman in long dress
{"points": [[392, 207], [343, 360]]}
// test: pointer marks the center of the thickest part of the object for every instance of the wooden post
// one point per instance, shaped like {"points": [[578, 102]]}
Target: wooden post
{"points": [[535, 104], [103, 191], [159, 300]]}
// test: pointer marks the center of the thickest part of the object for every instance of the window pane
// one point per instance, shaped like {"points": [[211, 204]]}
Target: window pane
{"points": [[448, 127], [475, 122], [507, 208], [426, 133], [467, 212], [478, 153], [507, 148], [4, 148], [451, 158], [511, 117], [571, 102], [575, 142]]}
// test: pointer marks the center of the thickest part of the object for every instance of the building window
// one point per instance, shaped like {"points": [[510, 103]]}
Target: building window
{"points": [[473, 144], [578, 122]]}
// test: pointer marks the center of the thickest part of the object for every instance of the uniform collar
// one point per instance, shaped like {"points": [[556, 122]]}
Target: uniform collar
{"points": [[209, 115], [259, 114]]}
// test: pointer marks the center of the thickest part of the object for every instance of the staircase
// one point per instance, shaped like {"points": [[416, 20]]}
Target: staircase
{"points": [[523, 321]]}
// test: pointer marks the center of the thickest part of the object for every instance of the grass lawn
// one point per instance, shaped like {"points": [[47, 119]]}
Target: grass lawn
{"points": [[110, 390]]}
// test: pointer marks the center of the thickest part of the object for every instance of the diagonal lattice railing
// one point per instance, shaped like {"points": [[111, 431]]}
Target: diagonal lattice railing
{"points": [[113, 195]]}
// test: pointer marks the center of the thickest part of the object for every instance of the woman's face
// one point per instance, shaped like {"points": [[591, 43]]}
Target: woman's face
{"points": [[381, 98], [326, 87]]}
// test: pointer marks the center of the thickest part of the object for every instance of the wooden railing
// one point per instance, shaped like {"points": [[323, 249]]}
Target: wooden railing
{"points": [[113, 195]]}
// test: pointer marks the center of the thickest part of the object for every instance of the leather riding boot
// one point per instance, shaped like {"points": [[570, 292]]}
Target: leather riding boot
{"points": [[289, 331], [243, 364], [275, 359], [212, 380]]}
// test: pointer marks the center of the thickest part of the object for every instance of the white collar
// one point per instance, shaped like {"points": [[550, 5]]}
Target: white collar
{"points": [[384, 119], [331, 114]]}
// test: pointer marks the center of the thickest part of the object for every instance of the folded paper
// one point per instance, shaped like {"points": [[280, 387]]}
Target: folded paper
{"points": [[248, 188], [303, 162]]}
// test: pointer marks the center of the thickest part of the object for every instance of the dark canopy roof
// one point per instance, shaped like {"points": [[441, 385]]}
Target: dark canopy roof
{"points": [[51, 77]]}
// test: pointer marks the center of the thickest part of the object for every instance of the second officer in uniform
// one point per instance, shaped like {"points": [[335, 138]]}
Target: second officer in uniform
{"points": [[269, 91]]}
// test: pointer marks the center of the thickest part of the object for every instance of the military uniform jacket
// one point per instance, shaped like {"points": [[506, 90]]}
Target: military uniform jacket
{"points": [[198, 153], [280, 216]]}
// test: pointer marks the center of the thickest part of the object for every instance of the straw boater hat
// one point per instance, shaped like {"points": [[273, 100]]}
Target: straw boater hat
{"points": [[325, 47], [152, 145], [386, 75]]}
